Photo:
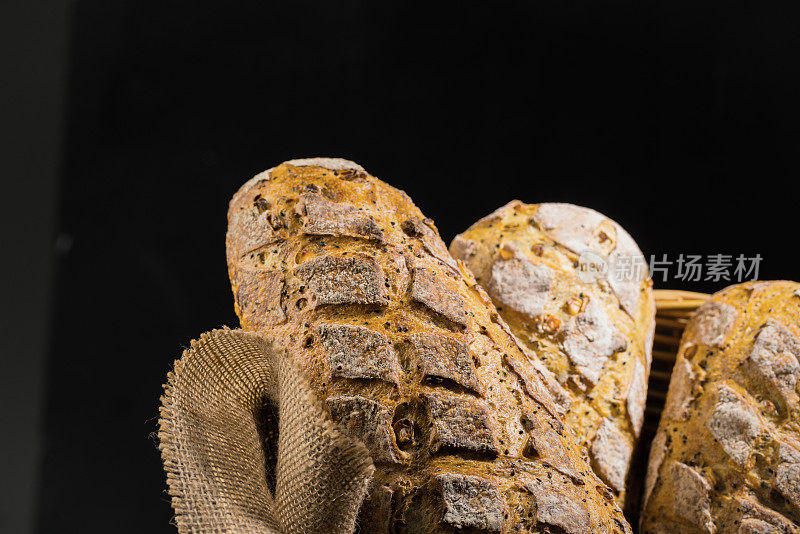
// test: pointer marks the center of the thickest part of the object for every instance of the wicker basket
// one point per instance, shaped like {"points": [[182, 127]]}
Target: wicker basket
{"points": [[673, 310]]}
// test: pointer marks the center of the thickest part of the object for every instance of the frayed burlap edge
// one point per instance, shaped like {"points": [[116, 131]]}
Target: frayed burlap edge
{"points": [[213, 441]]}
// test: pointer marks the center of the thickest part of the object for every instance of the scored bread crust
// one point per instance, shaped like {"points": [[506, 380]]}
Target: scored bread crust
{"points": [[726, 457], [409, 355], [593, 330]]}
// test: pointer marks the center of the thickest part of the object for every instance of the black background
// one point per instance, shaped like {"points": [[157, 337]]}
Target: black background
{"points": [[677, 119]]}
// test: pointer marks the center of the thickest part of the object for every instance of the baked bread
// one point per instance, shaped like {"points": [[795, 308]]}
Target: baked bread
{"points": [[409, 355], [542, 265], [726, 457]]}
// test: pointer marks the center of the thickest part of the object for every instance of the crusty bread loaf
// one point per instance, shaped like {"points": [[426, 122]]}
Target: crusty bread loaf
{"points": [[409, 355], [592, 330], [726, 457]]}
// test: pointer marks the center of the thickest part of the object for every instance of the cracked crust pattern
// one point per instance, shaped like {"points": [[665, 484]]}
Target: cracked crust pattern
{"points": [[446, 357], [368, 421], [358, 352], [408, 353], [591, 330], [726, 458]]}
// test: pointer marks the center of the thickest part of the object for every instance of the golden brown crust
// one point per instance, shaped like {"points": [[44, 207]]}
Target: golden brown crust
{"points": [[409, 355], [592, 331], [726, 457]]}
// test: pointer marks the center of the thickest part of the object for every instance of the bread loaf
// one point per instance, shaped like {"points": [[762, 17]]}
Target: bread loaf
{"points": [[726, 457], [409, 355], [592, 330]]}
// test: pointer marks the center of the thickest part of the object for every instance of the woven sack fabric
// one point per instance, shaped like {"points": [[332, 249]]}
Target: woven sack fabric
{"points": [[247, 447]]}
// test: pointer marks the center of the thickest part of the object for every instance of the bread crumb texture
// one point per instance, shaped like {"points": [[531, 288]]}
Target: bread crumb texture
{"points": [[726, 457], [411, 357], [573, 286]]}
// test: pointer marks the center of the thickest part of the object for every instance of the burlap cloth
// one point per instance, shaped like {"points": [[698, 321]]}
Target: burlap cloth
{"points": [[247, 447]]}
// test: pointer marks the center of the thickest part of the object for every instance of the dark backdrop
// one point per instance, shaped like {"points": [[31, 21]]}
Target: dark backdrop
{"points": [[677, 119]]}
